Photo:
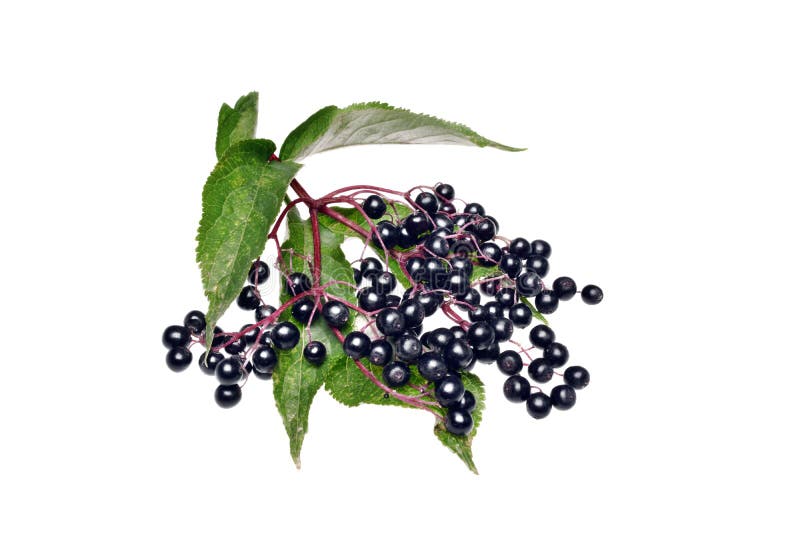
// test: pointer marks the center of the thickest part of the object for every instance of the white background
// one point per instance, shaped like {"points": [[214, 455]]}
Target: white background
{"points": [[663, 147]]}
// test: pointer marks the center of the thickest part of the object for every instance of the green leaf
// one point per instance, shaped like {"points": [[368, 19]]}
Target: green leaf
{"points": [[462, 445], [348, 385], [354, 215], [375, 123], [241, 199], [237, 123], [296, 381], [536, 313]]}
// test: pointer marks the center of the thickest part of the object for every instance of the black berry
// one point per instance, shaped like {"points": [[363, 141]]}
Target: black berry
{"points": [[563, 397], [179, 358], [356, 345], [564, 287], [259, 273], [538, 405], [228, 396], [576, 376], [195, 321], [592, 294], [176, 336], [315, 353], [285, 335], [374, 207], [541, 336], [516, 388]]}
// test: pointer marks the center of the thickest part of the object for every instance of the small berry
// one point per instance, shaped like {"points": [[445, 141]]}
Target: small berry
{"points": [[538, 264], [563, 397], [176, 336], [506, 297], [297, 283], [229, 371], [546, 302], [413, 312], [509, 362], [462, 247], [484, 230], [388, 235], [458, 421], [474, 208], [538, 405], [264, 311], [510, 264], [430, 302], [488, 354], [384, 283], [520, 314], [438, 246], [392, 301], [458, 355], [396, 374], [467, 402], [432, 366], [542, 336], [576, 376], [494, 309], [228, 396], [315, 353], [370, 300], [356, 345], [195, 321], [417, 224], [208, 364], [374, 206], [380, 352], [259, 273], [285, 335], [236, 346], [491, 253], [556, 354], [457, 283], [265, 359], [517, 388], [503, 329], [564, 287], [248, 298], [480, 335], [303, 309], [251, 336], [592, 294], [427, 202], [335, 313], [519, 246], [408, 348], [390, 322], [449, 390], [529, 284], [179, 358], [445, 191], [370, 268], [540, 248], [540, 371]]}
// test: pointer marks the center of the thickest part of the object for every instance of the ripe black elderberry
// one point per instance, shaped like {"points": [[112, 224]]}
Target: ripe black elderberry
{"points": [[546, 302], [449, 390], [489, 354], [370, 300], [259, 273], [427, 202], [556, 354], [564, 287], [445, 191], [315, 353], [285, 335], [506, 297], [396, 374], [509, 362], [591, 294], [176, 336], [563, 397], [432, 366], [179, 358], [297, 283], [458, 421], [480, 335], [474, 208], [408, 348], [510, 264], [490, 254], [384, 283], [335, 313], [370, 268], [538, 405], [458, 355], [374, 207], [303, 309], [208, 364], [195, 321], [529, 284], [468, 402], [520, 247], [356, 345], [540, 248], [517, 388], [540, 371], [264, 311], [388, 235], [520, 314], [380, 352], [438, 246], [264, 359], [248, 298], [503, 329], [229, 371], [541, 336], [390, 322], [538, 264], [228, 396], [576, 376]]}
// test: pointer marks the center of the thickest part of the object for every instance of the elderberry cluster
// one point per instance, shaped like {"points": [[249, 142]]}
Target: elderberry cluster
{"points": [[456, 267]]}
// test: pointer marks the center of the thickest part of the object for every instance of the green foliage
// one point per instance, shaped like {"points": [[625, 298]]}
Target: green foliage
{"points": [[296, 381], [375, 123], [237, 123], [241, 200]]}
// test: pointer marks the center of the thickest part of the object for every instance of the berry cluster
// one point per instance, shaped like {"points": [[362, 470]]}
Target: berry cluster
{"points": [[454, 262]]}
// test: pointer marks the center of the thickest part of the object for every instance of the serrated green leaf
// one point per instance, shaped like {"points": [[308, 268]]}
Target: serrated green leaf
{"points": [[237, 123], [462, 445], [241, 199], [375, 123], [348, 385], [296, 381]]}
